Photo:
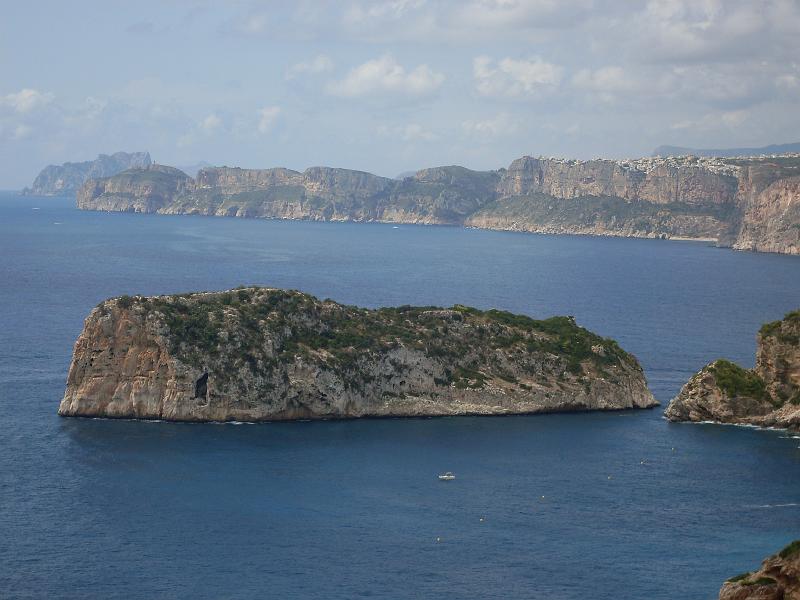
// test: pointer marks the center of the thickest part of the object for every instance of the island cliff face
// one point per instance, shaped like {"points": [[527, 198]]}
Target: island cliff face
{"points": [[750, 204], [768, 395], [777, 579], [66, 179], [256, 354]]}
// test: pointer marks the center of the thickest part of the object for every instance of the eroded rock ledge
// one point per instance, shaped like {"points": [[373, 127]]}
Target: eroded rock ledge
{"points": [[767, 396], [256, 354], [777, 579]]}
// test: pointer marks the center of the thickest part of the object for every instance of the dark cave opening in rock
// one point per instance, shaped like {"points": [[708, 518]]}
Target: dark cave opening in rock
{"points": [[201, 386]]}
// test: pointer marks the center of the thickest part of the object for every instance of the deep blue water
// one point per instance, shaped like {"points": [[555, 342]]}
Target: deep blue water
{"points": [[124, 509]]}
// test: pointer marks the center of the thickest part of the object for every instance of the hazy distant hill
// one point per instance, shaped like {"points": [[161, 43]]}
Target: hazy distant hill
{"points": [[191, 170], [681, 151], [58, 180]]}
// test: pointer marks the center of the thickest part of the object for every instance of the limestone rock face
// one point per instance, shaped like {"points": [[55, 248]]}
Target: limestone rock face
{"points": [[233, 180], [444, 195], [601, 215], [777, 579], [66, 179], [258, 354], [768, 395], [747, 203], [575, 179], [136, 190], [771, 222]]}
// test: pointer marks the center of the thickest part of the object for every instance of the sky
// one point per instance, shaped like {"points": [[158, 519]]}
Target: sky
{"points": [[391, 86]]}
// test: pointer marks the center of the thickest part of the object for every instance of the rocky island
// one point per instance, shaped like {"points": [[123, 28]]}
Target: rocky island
{"points": [[748, 203], [768, 395], [258, 354], [777, 579], [66, 179]]}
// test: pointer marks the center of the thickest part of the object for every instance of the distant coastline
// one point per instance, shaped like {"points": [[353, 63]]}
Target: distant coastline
{"points": [[746, 203]]}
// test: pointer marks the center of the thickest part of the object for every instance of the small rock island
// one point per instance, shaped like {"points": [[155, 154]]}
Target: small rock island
{"points": [[767, 396], [264, 354]]}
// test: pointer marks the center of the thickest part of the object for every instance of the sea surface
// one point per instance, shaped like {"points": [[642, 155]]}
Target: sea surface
{"points": [[601, 506]]}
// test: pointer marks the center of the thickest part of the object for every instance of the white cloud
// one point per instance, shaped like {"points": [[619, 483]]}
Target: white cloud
{"points": [[250, 24], [26, 100], [513, 14], [385, 75], [788, 82], [512, 78], [369, 12], [499, 125], [21, 132], [210, 123], [267, 117], [319, 64], [607, 83], [459, 20], [731, 119], [254, 24], [711, 30], [605, 79], [412, 132]]}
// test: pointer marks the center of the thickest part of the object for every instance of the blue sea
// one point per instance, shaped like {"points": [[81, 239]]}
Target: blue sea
{"points": [[558, 507]]}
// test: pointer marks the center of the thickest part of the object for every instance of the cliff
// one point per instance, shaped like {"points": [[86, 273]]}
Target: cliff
{"points": [[771, 222], [256, 354], [689, 183], [777, 579], [66, 179], [768, 395], [602, 215], [747, 203], [443, 195]]}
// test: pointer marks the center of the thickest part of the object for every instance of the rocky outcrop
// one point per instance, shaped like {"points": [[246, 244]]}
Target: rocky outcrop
{"points": [[136, 190], [66, 179], [767, 396], [749, 203], [255, 354], [777, 579]]}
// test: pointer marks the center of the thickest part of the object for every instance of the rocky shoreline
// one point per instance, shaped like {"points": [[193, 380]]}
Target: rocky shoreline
{"points": [[744, 203], [262, 354]]}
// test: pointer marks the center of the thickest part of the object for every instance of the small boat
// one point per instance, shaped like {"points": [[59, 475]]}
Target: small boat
{"points": [[447, 476]]}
